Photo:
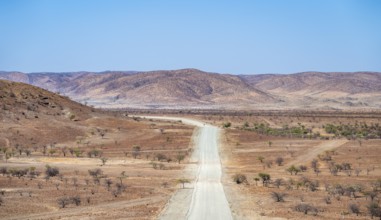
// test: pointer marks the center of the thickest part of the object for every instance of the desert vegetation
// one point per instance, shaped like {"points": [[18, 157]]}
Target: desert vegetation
{"points": [[303, 166]]}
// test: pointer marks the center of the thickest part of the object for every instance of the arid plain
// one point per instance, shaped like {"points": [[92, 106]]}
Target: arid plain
{"points": [[62, 159]]}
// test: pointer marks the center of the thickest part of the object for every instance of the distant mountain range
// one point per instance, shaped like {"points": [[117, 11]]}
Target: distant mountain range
{"points": [[192, 88]]}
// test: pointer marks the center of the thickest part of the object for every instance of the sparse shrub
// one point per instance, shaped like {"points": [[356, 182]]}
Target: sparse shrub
{"points": [[306, 208], [354, 208], [75, 200], [372, 195], [374, 209], [277, 196], [108, 183], [120, 187], [227, 125], [95, 172], [240, 178], [154, 165], [161, 166], [51, 171], [161, 157], [63, 202], [303, 168], [327, 200], [3, 171], [94, 153], [279, 161], [260, 158], [278, 182]]}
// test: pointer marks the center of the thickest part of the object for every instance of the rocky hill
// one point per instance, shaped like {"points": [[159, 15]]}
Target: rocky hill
{"points": [[191, 88], [21, 101]]}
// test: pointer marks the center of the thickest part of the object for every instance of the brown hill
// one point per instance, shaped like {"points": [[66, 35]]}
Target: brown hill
{"points": [[176, 89], [191, 88], [34, 116], [21, 101], [322, 90]]}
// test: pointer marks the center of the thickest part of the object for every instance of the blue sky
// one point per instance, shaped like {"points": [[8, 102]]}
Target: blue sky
{"points": [[240, 37]]}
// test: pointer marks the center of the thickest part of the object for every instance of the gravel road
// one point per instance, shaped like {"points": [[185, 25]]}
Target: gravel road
{"points": [[207, 200]]}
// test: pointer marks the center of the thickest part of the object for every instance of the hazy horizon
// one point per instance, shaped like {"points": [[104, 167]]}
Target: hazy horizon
{"points": [[245, 37], [143, 71]]}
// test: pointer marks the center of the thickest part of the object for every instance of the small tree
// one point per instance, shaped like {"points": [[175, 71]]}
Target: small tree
{"points": [[305, 208], [122, 176], [183, 181], [256, 179], [314, 164], [64, 151], [135, 151], [292, 169], [104, 160], [180, 157], [265, 178]]}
